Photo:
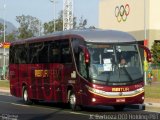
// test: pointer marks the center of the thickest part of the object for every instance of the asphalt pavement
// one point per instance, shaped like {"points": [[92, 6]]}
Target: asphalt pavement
{"points": [[13, 108], [147, 104]]}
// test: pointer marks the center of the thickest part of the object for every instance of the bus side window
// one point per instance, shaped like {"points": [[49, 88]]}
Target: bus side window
{"points": [[33, 55], [54, 52], [43, 54], [65, 52], [21, 54], [12, 55]]}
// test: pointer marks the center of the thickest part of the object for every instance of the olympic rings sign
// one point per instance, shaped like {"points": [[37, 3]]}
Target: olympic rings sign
{"points": [[122, 12]]}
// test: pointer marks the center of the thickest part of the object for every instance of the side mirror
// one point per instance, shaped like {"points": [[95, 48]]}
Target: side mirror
{"points": [[147, 53], [86, 54]]}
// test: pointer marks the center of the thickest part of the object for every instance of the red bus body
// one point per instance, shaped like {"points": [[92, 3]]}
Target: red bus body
{"points": [[53, 81]]}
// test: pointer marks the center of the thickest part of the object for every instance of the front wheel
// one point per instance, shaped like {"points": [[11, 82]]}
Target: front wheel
{"points": [[25, 96], [72, 102]]}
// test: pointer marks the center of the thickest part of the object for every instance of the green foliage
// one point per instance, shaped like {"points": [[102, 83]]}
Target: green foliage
{"points": [[49, 26], [1, 27], [1, 32], [82, 23], [152, 91], [29, 26], [8, 37], [155, 50], [4, 84]]}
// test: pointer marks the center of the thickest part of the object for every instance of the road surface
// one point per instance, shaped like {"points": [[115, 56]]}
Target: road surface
{"points": [[12, 108]]}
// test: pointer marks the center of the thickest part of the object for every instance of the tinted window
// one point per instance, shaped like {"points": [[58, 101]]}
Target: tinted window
{"points": [[19, 54], [59, 52], [38, 52], [65, 52]]}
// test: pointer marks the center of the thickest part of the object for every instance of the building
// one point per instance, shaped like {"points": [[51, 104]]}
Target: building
{"points": [[141, 18]]}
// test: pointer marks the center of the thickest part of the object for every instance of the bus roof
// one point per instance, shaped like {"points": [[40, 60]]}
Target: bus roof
{"points": [[89, 35], [97, 35]]}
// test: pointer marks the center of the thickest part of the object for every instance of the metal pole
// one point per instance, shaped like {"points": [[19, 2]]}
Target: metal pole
{"points": [[54, 12], [145, 40], [4, 40]]}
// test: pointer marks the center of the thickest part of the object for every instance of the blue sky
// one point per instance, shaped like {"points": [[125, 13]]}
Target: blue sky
{"points": [[43, 10]]}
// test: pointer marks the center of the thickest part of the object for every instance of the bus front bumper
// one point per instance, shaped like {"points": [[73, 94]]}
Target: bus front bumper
{"points": [[114, 98]]}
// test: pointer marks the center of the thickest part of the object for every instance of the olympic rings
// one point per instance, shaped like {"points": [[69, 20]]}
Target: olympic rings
{"points": [[122, 12]]}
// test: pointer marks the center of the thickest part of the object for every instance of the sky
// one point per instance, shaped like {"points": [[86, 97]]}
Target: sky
{"points": [[44, 10]]}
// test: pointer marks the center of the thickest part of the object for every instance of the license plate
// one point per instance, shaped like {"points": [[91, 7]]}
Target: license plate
{"points": [[120, 100]]}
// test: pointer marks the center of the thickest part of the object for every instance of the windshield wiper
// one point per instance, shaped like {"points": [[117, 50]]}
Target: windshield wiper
{"points": [[130, 78]]}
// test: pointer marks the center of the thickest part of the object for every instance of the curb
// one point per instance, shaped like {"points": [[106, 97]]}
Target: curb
{"points": [[155, 105], [5, 92]]}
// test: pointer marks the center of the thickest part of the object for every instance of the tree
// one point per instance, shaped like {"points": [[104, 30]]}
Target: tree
{"points": [[29, 26], [1, 27], [10, 37], [82, 23], [49, 26], [1, 32], [155, 50]]}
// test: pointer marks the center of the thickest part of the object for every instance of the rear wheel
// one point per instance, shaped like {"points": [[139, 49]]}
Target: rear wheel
{"points": [[25, 96]]}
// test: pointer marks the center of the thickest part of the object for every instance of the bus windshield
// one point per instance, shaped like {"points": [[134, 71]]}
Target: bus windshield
{"points": [[115, 64]]}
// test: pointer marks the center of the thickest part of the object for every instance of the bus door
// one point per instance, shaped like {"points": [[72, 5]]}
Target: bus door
{"points": [[83, 62], [80, 84]]}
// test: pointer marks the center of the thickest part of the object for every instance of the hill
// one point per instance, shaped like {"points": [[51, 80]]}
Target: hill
{"points": [[10, 27]]}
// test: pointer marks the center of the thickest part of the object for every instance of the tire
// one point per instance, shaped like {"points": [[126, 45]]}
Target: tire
{"points": [[72, 102], [26, 99]]}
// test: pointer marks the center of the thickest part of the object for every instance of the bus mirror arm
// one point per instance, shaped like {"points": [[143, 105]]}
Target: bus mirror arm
{"points": [[147, 51]]}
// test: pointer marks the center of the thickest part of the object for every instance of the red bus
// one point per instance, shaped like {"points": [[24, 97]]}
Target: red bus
{"points": [[79, 67]]}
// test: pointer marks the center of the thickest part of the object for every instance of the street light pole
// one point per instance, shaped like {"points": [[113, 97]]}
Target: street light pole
{"points": [[4, 40], [145, 41], [54, 12]]}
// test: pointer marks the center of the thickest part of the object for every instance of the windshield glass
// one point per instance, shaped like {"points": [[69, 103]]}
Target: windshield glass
{"points": [[115, 63]]}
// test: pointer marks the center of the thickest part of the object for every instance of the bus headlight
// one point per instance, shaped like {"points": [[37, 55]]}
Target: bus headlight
{"points": [[140, 89], [96, 90], [93, 99]]}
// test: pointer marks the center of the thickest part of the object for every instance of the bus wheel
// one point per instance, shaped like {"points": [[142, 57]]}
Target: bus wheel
{"points": [[25, 96], [72, 102], [119, 107]]}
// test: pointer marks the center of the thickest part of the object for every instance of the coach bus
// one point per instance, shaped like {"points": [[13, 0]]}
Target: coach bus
{"points": [[78, 67]]}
